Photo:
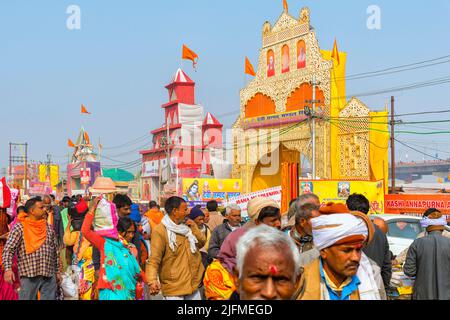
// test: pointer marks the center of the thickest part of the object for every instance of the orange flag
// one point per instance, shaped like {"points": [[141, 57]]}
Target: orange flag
{"points": [[86, 137], [249, 68], [70, 143], [285, 5], [84, 110], [335, 53], [188, 54]]}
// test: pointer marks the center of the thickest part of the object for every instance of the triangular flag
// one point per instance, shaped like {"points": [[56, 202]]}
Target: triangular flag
{"points": [[188, 54], [86, 137], [285, 5], [335, 53], [249, 68], [70, 143], [84, 110]]}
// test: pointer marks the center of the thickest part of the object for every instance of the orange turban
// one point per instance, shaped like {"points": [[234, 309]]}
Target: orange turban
{"points": [[332, 207]]}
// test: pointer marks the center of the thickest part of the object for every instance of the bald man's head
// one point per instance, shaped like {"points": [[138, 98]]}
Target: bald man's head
{"points": [[380, 223]]}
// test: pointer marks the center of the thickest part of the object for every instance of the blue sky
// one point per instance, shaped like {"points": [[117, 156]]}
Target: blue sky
{"points": [[126, 51]]}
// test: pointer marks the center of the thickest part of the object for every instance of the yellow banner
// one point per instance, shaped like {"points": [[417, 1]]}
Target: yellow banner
{"points": [[42, 173], [54, 174], [339, 191], [338, 102], [201, 190]]}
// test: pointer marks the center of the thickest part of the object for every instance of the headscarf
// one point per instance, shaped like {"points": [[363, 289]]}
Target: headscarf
{"points": [[339, 208], [155, 215], [34, 232], [335, 229], [255, 206], [135, 214], [82, 206], [434, 222], [5, 194], [195, 213], [332, 207]]}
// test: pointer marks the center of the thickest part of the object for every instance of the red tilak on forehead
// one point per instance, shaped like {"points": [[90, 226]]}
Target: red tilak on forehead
{"points": [[273, 270]]}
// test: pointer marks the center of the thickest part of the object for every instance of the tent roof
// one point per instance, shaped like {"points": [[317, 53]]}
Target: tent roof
{"points": [[211, 120], [181, 76], [118, 175]]}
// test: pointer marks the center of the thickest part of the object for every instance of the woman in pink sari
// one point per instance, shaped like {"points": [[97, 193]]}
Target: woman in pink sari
{"points": [[7, 291]]}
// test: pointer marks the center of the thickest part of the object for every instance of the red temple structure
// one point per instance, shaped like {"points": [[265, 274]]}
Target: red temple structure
{"points": [[191, 137]]}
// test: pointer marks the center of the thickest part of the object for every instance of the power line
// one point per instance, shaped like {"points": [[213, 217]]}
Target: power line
{"points": [[421, 152], [134, 141], [407, 87], [126, 152], [426, 128], [398, 123], [368, 140], [406, 67], [404, 114], [387, 131], [113, 160], [428, 147]]}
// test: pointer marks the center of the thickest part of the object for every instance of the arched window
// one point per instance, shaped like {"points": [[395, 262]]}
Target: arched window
{"points": [[270, 63], [285, 59], [301, 55]]}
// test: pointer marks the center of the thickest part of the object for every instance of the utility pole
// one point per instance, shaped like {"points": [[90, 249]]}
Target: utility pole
{"points": [[159, 181], [19, 158], [10, 161], [168, 142], [393, 144], [26, 169], [49, 163], [313, 123], [311, 113], [165, 144]]}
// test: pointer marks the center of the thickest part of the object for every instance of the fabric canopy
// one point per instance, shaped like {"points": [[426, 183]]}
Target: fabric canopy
{"points": [[118, 175]]}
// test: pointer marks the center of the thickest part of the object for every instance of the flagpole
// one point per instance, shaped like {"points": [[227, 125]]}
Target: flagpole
{"points": [[99, 150], [245, 75]]}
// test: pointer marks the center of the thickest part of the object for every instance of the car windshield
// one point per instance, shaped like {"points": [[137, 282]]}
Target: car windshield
{"points": [[404, 229]]}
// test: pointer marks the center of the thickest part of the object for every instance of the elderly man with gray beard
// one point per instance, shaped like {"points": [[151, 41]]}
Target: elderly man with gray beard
{"points": [[233, 220], [294, 206]]}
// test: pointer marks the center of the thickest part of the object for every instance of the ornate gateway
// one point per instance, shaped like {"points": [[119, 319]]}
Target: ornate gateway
{"points": [[273, 126]]}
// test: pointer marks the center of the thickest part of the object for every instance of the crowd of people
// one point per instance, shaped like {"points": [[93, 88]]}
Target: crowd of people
{"points": [[52, 250]]}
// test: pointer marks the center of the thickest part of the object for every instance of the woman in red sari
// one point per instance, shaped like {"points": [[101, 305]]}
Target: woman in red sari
{"points": [[7, 291]]}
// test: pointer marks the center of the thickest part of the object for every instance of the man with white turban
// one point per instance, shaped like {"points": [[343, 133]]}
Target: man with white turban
{"points": [[428, 260], [342, 272]]}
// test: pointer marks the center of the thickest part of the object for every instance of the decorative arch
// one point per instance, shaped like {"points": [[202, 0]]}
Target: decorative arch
{"points": [[298, 99], [260, 105]]}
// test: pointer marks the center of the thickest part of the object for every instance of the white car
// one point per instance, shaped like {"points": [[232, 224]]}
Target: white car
{"points": [[403, 230]]}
